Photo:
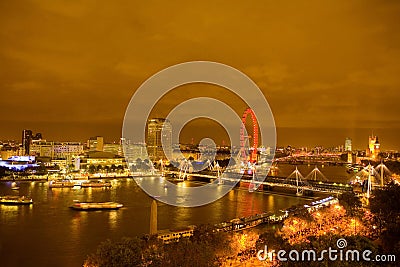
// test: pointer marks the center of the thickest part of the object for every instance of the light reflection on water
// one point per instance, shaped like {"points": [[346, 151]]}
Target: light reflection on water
{"points": [[49, 227], [9, 214], [113, 219], [77, 222]]}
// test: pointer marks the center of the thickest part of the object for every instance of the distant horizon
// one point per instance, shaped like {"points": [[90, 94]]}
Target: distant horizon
{"points": [[286, 136]]}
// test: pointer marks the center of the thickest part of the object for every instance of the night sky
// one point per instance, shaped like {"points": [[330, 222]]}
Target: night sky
{"points": [[329, 69]]}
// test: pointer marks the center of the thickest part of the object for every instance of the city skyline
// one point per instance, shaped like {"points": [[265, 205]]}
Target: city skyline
{"points": [[151, 143], [70, 69]]}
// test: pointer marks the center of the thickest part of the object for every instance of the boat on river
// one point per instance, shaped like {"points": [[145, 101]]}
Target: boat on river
{"points": [[86, 206], [95, 183], [15, 200], [62, 184], [14, 186]]}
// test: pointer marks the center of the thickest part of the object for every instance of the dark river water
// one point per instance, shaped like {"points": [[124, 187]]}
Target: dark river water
{"points": [[48, 233]]}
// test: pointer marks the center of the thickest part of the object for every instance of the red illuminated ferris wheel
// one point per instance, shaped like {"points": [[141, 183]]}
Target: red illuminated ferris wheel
{"points": [[254, 136]]}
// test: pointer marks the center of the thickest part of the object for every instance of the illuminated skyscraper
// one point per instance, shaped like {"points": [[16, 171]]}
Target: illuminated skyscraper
{"points": [[159, 139], [26, 141], [348, 144], [27, 138]]}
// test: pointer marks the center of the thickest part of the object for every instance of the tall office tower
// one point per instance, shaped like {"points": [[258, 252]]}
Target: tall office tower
{"points": [[159, 139], [348, 144], [26, 141], [348, 148]]}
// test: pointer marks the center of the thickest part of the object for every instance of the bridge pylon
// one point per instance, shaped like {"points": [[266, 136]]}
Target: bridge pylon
{"points": [[313, 175], [299, 180], [382, 169]]}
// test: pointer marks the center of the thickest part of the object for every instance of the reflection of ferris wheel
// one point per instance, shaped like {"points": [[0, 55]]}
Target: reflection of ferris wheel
{"points": [[253, 154]]}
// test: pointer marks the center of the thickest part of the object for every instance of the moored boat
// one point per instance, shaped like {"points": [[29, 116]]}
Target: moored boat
{"points": [[96, 206], [61, 184], [15, 200]]}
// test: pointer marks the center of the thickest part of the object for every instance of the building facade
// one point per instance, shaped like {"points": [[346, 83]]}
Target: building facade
{"points": [[348, 145], [135, 151], [101, 160], [95, 143], [159, 139], [56, 150], [27, 138], [373, 149], [114, 149]]}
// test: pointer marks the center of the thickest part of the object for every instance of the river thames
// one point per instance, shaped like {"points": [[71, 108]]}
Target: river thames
{"points": [[48, 233]]}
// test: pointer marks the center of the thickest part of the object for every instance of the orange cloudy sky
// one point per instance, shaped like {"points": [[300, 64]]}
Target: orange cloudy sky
{"points": [[69, 68]]}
